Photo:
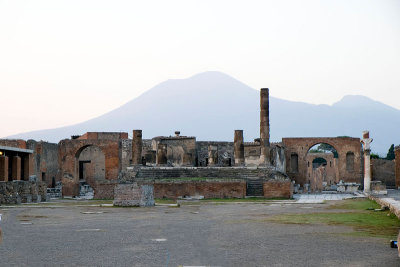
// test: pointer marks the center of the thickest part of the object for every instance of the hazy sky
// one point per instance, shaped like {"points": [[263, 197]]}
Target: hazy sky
{"points": [[63, 62]]}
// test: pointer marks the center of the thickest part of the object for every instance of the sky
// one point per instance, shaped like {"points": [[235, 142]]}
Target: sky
{"points": [[64, 62]]}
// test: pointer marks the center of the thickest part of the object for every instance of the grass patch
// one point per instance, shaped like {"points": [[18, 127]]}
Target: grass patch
{"points": [[364, 222], [355, 204]]}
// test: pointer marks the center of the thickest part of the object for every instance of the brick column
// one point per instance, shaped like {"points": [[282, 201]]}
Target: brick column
{"points": [[238, 146], [16, 168], [4, 168], [212, 155], [397, 166], [264, 126], [161, 157], [137, 147], [28, 166]]}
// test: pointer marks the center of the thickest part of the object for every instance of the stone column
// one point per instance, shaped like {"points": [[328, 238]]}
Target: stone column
{"points": [[16, 168], [264, 126], [4, 168], [366, 141], [238, 146], [397, 165], [161, 157], [212, 155], [137, 147]]}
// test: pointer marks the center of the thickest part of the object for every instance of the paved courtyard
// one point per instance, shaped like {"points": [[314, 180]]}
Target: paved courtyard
{"points": [[74, 234]]}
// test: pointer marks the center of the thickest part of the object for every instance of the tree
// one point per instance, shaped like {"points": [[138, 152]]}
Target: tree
{"points": [[374, 156], [390, 154]]}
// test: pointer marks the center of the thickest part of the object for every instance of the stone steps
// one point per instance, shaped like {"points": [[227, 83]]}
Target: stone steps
{"points": [[238, 173]]}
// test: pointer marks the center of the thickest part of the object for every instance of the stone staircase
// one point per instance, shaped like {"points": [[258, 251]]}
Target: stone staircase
{"points": [[206, 172]]}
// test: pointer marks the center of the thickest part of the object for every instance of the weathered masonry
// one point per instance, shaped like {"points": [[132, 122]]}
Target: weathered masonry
{"points": [[178, 165], [347, 165]]}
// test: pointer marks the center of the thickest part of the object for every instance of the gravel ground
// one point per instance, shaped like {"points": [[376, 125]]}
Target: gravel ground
{"points": [[194, 235]]}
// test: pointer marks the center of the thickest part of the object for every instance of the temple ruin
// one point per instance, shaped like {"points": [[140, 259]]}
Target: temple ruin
{"points": [[180, 166]]}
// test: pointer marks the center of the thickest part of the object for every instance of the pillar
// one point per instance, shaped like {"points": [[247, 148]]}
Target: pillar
{"points": [[264, 126], [212, 155], [28, 166], [366, 141], [137, 147], [238, 147], [16, 168], [161, 157], [3, 168], [397, 165]]}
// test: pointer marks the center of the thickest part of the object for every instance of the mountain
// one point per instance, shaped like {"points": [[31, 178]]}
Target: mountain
{"points": [[211, 105]]}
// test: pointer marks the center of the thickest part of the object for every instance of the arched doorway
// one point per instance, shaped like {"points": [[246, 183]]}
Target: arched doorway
{"points": [[90, 169], [322, 167]]}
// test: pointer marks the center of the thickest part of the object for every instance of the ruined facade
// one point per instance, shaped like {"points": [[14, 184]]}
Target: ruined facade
{"points": [[347, 166], [180, 165]]}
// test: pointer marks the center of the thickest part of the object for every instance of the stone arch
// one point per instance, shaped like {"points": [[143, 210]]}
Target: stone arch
{"points": [[90, 164], [322, 142]]}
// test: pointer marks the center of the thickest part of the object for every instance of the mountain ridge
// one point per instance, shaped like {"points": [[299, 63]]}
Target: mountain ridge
{"points": [[211, 105]]}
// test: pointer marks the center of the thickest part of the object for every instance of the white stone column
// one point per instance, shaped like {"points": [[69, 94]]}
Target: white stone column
{"points": [[366, 141]]}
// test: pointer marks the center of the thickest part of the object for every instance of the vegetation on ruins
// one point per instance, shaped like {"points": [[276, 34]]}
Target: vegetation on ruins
{"points": [[390, 154]]}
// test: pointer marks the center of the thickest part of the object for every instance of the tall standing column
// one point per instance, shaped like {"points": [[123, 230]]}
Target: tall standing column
{"points": [[137, 147], [16, 168], [3, 168], [264, 126], [397, 165], [161, 157], [366, 141], [238, 146]]}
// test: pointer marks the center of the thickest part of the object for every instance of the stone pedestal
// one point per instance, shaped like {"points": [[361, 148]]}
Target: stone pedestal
{"points": [[128, 195], [4, 168], [16, 168], [366, 141], [161, 158], [264, 126], [137, 147], [212, 155], [238, 146]]}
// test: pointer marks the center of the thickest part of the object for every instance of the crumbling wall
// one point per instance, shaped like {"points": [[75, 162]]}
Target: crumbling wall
{"points": [[181, 150], [45, 161], [224, 150], [68, 155], [252, 152], [383, 170], [17, 192]]}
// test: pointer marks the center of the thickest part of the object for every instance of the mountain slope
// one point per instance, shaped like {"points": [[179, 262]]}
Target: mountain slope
{"points": [[212, 105]]}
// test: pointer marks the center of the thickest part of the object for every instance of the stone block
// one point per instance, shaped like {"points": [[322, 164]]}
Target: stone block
{"points": [[133, 195]]}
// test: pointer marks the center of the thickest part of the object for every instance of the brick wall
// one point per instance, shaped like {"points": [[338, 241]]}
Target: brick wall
{"points": [[383, 170], [208, 189], [278, 188]]}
